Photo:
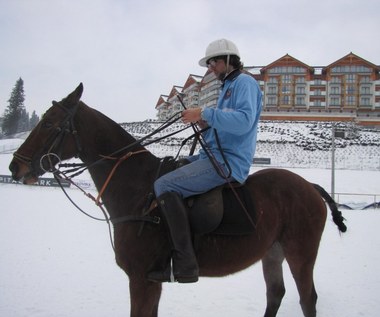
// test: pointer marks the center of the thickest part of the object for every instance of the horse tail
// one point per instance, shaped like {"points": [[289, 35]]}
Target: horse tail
{"points": [[336, 214]]}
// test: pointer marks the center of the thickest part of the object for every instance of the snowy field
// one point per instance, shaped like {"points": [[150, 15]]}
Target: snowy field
{"points": [[55, 262], [290, 144]]}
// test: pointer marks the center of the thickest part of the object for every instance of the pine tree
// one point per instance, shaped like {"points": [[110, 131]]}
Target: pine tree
{"points": [[24, 121], [13, 115], [34, 119]]}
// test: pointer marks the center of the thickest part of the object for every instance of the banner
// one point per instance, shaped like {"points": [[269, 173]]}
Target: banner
{"points": [[45, 182]]}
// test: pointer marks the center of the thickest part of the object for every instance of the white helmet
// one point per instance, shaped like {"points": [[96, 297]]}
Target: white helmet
{"points": [[219, 48]]}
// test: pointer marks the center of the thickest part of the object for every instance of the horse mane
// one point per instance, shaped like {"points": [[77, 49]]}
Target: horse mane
{"points": [[109, 135]]}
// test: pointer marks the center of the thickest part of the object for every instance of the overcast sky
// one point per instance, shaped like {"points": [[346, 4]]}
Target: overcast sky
{"points": [[128, 53]]}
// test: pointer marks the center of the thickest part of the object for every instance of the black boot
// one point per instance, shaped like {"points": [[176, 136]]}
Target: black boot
{"points": [[185, 266]]}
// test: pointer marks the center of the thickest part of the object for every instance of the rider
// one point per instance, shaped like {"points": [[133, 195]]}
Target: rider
{"points": [[235, 119]]}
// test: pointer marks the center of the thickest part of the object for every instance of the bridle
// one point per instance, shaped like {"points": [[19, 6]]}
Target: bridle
{"points": [[53, 151], [54, 141]]}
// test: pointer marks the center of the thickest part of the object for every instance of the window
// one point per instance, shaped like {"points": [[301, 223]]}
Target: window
{"points": [[365, 90], [300, 101], [365, 79], [286, 78], [335, 101], [272, 101], [351, 69], [336, 80], [285, 100], [272, 80], [350, 90], [285, 89], [335, 90], [287, 69], [300, 90], [350, 78], [350, 100], [272, 90], [365, 101]]}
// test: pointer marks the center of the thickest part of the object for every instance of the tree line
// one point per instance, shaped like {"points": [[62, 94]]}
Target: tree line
{"points": [[15, 118]]}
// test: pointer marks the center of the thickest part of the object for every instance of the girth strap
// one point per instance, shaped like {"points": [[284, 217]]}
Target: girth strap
{"points": [[152, 219]]}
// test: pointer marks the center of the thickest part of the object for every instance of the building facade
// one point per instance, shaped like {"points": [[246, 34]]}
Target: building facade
{"points": [[346, 90]]}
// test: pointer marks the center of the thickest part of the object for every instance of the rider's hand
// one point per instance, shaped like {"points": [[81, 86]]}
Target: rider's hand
{"points": [[191, 115]]}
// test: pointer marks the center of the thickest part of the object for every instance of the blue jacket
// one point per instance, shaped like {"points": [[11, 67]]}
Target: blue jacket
{"points": [[235, 118]]}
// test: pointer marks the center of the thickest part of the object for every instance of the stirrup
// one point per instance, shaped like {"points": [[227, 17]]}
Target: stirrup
{"points": [[163, 276], [168, 276]]}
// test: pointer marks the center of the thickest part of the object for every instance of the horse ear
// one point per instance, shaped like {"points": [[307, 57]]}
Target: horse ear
{"points": [[75, 96], [79, 89]]}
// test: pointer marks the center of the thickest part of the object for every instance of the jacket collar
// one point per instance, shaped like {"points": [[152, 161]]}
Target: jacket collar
{"points": [[232, 76]]}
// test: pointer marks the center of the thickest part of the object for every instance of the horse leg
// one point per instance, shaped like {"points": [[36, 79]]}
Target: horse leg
{"points": [[302, 271], [145, 297], [272, 269]]}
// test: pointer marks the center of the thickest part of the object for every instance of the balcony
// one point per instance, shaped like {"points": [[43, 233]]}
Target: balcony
{"points": [[317, 93]]}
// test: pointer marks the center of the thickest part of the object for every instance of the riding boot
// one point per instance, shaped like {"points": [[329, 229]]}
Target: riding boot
{"points": [[185, 266]]}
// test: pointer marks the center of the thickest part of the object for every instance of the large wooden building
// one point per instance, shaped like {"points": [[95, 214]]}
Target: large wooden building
{"points": [[346, 90]]}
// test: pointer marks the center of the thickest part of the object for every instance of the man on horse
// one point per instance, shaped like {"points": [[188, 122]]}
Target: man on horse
{"points": [[226, 155]]}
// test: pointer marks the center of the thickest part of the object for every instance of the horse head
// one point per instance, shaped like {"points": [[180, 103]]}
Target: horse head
{"points": [[52, 140]]}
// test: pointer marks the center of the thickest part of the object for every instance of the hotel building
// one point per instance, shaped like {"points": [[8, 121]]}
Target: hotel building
{"points": [[346, 90]]}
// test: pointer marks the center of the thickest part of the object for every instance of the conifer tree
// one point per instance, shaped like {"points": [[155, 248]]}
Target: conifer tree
{"points": [[24, 121], [15, 112], [34, 119]]}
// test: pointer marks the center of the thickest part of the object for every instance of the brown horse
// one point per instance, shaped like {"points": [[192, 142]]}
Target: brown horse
{"points": [[291, 212]]}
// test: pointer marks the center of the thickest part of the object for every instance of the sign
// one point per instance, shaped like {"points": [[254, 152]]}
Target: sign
{"points": [[45, 182], [261, 160], [340, 134]]}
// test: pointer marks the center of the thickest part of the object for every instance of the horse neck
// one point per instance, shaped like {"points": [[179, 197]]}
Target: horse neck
{"points": [[133, 178]]}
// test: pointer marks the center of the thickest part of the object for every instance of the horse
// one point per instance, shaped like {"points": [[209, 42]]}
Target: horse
{"points": [[291, 211]]}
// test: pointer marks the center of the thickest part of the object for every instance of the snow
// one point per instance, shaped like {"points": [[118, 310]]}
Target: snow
{"points": [[57, 262], [9, 146], [289, 144]]}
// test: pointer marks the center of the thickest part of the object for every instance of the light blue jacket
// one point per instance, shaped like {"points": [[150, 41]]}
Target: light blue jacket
{"points": [[235, 118]]}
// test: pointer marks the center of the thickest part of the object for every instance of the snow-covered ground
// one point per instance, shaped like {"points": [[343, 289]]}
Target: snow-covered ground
{"points": [[55, 262]]}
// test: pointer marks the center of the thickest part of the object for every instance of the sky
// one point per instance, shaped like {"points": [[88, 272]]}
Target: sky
{"points": [[127, 53]]}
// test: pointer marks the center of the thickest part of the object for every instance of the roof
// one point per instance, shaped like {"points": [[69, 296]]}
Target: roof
{"points": [[351, 58], [287, 59]]}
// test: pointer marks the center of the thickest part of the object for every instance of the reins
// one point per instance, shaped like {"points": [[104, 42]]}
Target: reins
{"points": [[59, 175], [80, 168], [119, 161], [214, 162]]}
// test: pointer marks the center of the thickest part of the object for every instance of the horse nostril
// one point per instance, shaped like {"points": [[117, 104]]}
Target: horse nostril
{"points": [[13, 167]]}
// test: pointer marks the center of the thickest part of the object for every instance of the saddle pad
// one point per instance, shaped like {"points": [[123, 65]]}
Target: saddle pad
{"points": [[220, 212], [235, 220], [209, 213]]}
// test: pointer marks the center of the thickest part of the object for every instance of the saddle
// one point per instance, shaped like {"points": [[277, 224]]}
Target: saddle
{"points": [[222, 210]]}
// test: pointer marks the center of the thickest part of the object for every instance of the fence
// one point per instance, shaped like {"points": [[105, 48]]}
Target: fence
{"points": [[371, 201]]}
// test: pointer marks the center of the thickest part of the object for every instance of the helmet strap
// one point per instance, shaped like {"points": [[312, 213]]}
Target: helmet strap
{"points": [[227, 67]]}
